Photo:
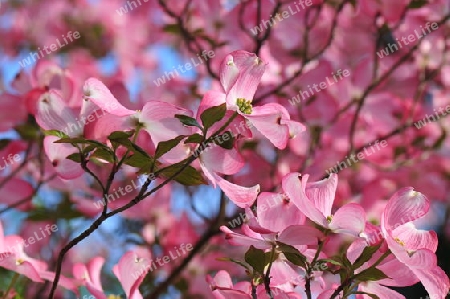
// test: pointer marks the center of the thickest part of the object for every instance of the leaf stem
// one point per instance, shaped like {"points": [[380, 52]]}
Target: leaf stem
{"points": [[11, 285]]}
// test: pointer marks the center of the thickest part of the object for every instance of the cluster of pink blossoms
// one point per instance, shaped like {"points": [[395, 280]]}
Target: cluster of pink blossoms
{"points": [[298, 247]]}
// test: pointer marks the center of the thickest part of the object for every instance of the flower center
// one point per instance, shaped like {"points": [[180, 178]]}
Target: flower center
{"points": [[399, 241], [245, 106], [19, 262]]}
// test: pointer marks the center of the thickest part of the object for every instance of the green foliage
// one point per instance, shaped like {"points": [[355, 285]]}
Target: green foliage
{"points": [[414, 4], [365, 256], [292, 254], [256, 259], [370, 274], [189, 176], [165, 146], [188, 121], [194, 138], [227, 142], [212, 115]]}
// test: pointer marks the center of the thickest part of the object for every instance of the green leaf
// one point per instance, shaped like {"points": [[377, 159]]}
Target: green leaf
{"points": [[296, 259], [188, 177], [75, 157], [269, 258], [75, 140], [138, 160], [131, 146], [212, 115], [256, 258], [188, 121], [27, 131], [417, 4], [331, 261], [172, 28], [195, 138], [165, 146], [81, 140], [120, 135], [104, 155], [365, 256], [250, 145], [370, 274], [292, 254], [225, 140], [56, 133], [89, 149]]}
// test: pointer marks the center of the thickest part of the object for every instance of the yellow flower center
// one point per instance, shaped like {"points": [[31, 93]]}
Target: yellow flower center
{"points": [[399, 241], [19, 262], [245, 106]]}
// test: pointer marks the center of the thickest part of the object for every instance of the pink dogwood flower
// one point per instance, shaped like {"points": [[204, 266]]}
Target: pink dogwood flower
{"points": [[414, 247], [240, 75], [131, 271], [315, 200]]}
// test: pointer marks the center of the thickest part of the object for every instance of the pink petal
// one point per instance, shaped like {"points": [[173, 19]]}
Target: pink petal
{"points": [[131, 271], [421, 258], [222, 279], [300, 235], [355, 249], [218, 159], [404, 206], [230, 294], [415, 238], [229, 73], [95, 267], [282, 272], [67, 283], [10, 103], [322, 193], [16, 190], [25, 268], [296, 192], [99, 125], [379, 290], [250, 69], [210, 99], [2, 237], [350, 218], [241, 196], [294, 127], [98, 93], [160, 122], [241, 240], [21, 82], [271, 206], [327, 294], [54, 114], [57, 153], [435, 281], [399, 274], [267, 120]]}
